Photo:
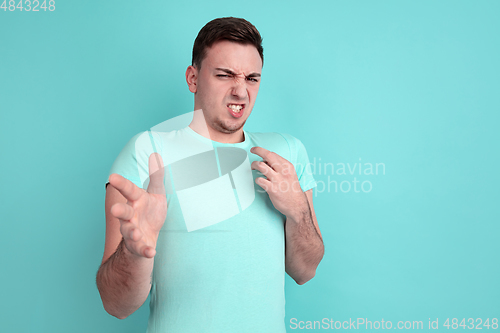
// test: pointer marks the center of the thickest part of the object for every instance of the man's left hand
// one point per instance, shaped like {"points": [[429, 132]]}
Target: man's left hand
{"points": [[280, 182]]}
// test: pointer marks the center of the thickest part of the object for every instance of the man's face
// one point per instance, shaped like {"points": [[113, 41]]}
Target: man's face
{"points": [[227, 85]]}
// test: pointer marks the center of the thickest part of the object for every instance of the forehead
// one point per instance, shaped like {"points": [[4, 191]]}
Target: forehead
{"points": [[241, 58]]}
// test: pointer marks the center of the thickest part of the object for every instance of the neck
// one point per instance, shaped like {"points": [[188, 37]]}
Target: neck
{"points": [[199, 125]]}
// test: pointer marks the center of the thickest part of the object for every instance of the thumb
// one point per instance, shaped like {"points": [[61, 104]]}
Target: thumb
{"points": [[156, 174]]}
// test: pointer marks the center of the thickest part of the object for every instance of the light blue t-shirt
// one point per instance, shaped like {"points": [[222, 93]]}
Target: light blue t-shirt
{"points": [[229, 276]]}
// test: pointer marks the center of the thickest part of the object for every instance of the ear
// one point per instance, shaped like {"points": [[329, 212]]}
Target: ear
{"points": [[191, 78]]}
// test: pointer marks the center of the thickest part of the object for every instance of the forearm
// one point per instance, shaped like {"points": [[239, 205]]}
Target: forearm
{"points": [[304, 246], [124, 282]]}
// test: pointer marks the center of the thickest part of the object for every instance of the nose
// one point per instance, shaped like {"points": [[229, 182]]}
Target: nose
{"points": [[239, 88]]}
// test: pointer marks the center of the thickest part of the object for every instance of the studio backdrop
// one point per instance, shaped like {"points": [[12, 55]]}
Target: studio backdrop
{"points": [[396, 102]]}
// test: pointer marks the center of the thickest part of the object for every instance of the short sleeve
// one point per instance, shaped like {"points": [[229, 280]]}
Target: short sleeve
{"points": [[132, 162], [300, 160], [303, 167]]}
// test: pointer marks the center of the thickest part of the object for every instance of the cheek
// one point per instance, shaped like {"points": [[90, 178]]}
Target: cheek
{"points": [[218, 90], [253, 91], [210, 94]]}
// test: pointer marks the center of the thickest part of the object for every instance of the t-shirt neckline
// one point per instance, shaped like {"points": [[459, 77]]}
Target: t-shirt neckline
{"points": [[200, 137]]}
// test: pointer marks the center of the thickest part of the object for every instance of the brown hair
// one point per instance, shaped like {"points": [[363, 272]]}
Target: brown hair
{"points": [[233, 29]]}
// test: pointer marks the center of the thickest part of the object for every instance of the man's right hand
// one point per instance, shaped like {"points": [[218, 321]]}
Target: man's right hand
{"points": [[142, 217]]}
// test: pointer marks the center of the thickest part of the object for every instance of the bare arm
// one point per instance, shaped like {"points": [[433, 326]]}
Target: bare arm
{"points": [[304, 247], [123, 279], [134, 218]]}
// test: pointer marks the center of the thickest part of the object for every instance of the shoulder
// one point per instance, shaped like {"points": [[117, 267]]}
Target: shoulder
{"points": [[275, 139], [138, 148], [152, 141], [135, 139], [284, 144]]}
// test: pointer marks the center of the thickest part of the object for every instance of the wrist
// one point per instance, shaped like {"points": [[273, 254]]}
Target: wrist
{"points": [[299, 211]]}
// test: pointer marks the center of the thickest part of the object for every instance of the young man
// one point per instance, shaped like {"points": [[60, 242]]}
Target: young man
{"points": [[229, 276]]}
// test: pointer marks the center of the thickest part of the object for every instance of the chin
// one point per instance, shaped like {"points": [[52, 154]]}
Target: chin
{"points": [[228, 127]]}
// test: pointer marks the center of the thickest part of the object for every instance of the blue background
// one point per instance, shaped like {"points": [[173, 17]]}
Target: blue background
{"points": [[410, 84]]}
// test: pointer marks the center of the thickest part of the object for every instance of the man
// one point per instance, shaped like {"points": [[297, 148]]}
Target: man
{"points": [[227, 277]]}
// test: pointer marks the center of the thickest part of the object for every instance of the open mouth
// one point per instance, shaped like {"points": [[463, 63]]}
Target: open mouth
{"points": [[236, 110]]}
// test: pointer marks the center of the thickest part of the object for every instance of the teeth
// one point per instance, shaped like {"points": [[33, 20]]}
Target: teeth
{"points": [[235, 108]]}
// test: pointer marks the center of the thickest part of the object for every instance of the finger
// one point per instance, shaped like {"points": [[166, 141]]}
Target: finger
{"points": [[262, 152], [264, 183], [130, 232], [134, 242], [141, 249], [272, 159], [122, 211], [128, 189], [156, 174], [148, 252], [263, 168]]}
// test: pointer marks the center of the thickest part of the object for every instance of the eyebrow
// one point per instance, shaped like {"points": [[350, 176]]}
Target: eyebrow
{"points": [[228, 71]]}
